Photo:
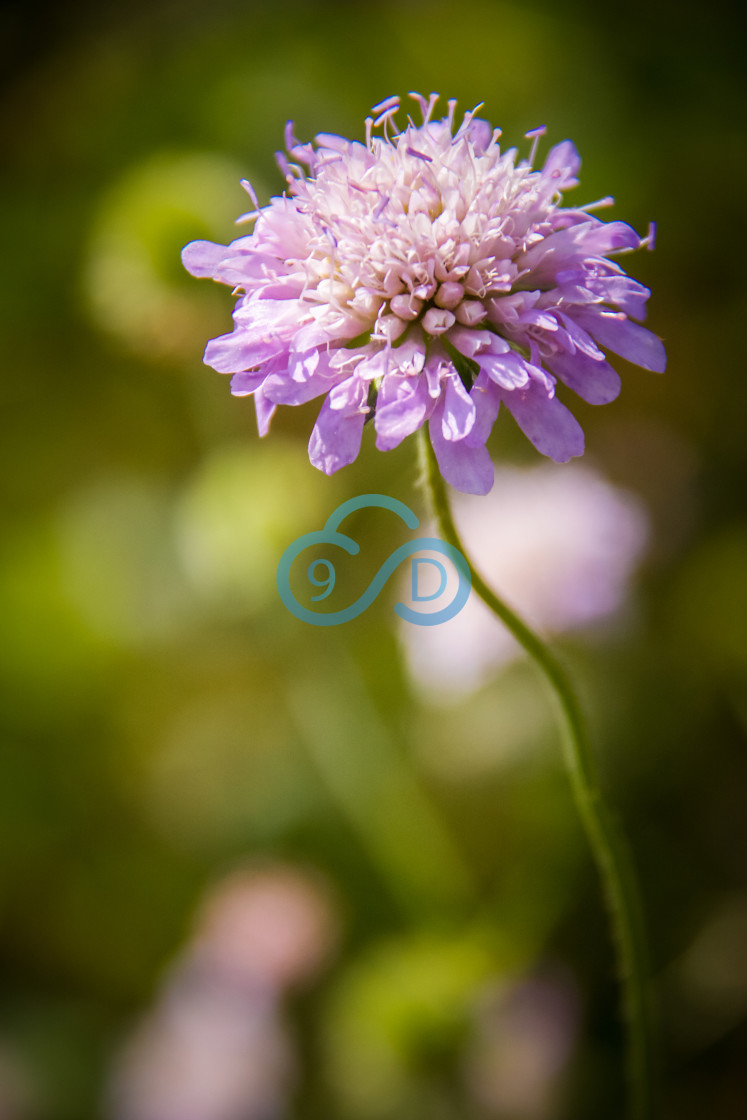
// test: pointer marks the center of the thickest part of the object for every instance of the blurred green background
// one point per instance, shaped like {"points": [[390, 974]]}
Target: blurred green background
{"points": [[165, 719]]}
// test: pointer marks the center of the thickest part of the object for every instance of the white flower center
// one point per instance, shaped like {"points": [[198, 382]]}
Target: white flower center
{"points": [[419, 229]]}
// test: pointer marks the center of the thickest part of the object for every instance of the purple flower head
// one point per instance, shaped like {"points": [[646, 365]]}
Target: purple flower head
{"points": [[427, 276]]}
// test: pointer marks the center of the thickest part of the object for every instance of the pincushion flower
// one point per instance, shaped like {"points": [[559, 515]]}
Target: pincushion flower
{"points": [[427, 276]]}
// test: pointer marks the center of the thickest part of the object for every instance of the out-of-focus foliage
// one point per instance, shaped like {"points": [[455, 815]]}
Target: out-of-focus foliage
{"points": [[165, 719]]}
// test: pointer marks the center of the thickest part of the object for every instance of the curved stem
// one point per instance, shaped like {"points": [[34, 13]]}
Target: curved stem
{"points": [[608, 844]]}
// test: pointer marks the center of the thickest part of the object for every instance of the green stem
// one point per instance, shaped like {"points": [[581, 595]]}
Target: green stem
{"points": [[608, 844]]}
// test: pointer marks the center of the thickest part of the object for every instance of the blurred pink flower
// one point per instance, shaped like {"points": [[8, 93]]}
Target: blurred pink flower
{"points": [[559, 545], [427, 276], [524, 1036], [214, 1046]]}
